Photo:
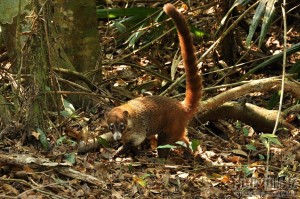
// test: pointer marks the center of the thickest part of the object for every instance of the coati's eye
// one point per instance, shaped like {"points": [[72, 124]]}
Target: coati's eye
{"points": [[122, 125], [111, 126]]}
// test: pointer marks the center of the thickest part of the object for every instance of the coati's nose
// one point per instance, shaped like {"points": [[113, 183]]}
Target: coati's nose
{"points": [[117, 136]]}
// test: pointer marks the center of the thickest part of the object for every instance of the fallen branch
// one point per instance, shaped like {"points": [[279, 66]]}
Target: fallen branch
{"points": [[63, 168], [24, 159], [262, 85], [67, 171], [94, 144], [261, 119]]}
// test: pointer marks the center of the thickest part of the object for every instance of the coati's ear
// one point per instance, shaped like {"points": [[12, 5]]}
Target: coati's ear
{"points": [[106, 114], [125, 114]]}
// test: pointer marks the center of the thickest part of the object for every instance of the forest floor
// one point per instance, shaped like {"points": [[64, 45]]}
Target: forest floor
{"points": [[229, 157]]}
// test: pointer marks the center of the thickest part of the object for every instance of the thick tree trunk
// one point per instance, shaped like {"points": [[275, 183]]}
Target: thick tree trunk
{"points": [[77, 25]]}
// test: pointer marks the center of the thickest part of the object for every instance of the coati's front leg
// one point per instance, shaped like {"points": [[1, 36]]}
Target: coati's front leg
{"points": [[127, 149], [131, 139]]}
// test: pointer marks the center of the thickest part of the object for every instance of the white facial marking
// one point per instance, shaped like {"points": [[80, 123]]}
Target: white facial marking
{"points": [[117, 136]]}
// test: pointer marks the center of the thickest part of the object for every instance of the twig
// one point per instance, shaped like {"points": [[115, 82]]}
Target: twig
{"points": [[67, 171], [283, 65], [152, 72], [32, 188], [78, 76]]}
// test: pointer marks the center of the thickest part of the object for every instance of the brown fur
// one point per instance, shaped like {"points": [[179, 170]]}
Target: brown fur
{"points": [[144, 117]]}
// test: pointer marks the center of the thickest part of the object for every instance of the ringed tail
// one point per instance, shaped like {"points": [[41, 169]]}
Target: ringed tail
{"points": [[193, 79]]}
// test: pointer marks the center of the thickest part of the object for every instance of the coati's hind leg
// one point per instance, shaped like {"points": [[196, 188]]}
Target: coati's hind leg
{"points": [[163, 139]]}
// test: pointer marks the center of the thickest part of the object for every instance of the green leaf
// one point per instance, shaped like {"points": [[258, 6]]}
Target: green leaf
{"points": [[251, 147], [256, 20], [197, 32], [267, 19], [275, 141], [271, 138], [167, 146], [273, 101], [140, 181], [245, 131], [195, 144], [146, 175], [121, 28], [69, 109], [247, 171], [238, 125], [43, 139], [261, 157], [181, 143], [134, 37], [273, 59], [268, 136], [61, 140], [295, 68], [103, 142], [68, 105], [70, 157]]}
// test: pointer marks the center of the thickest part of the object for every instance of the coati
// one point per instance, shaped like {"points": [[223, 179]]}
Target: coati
{"points": [[144, 117]]}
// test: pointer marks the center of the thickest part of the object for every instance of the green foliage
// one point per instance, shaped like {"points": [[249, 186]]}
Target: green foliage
{"points": [[238, 125], [264, 12], [43, 139], [251, 147], [295, 69], [61, 140], [65, 140], [197, 32], [272, 59], [142, 181], [195, 143], [69, 110], [10, 8], [133, 23], [274, 100], [70, 157], [245, 131], [103, 142], [261, 157], [245, 169], [269, 138]]}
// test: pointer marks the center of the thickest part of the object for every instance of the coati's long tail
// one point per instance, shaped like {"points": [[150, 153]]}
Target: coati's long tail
{"points": [[193, 91]]}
